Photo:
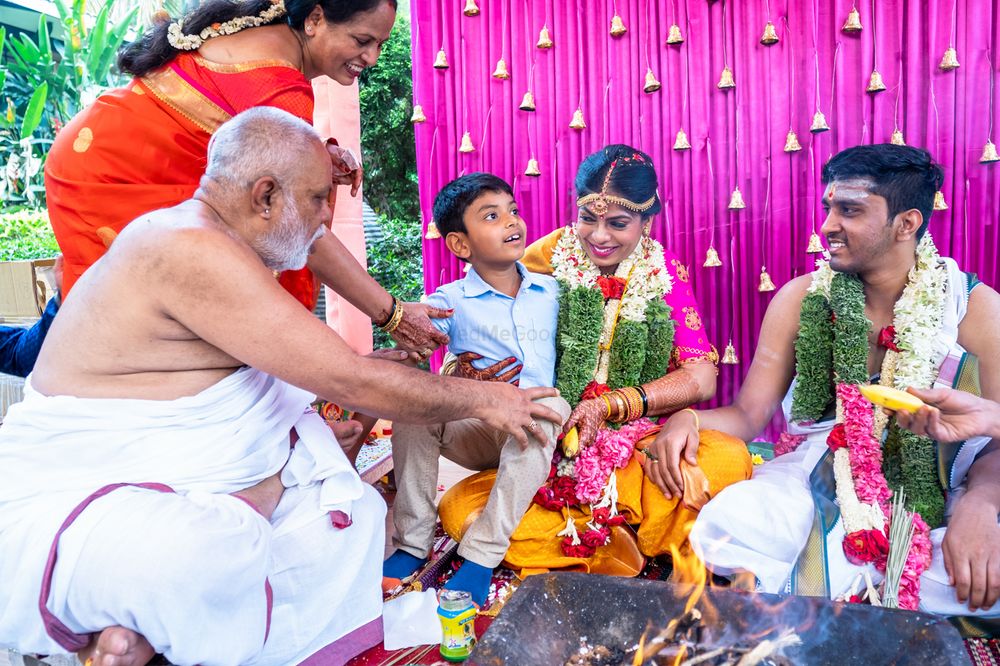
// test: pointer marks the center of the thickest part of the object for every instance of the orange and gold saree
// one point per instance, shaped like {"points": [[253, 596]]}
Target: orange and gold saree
{"points": [[144, 147]]}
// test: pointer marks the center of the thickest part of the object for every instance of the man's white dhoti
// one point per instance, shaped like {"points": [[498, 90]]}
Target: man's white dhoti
{"points": [[203, 576], [762, 525]]}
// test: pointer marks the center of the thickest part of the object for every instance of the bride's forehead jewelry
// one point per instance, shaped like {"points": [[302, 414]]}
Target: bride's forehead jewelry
{"points": [[599, 202]]}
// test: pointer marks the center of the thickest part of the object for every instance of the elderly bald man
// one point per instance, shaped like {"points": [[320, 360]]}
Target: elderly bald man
{"points": [[167, 487]]}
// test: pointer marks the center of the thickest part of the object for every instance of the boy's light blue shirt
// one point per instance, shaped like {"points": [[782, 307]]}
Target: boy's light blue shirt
{"points": [[496, 326]]}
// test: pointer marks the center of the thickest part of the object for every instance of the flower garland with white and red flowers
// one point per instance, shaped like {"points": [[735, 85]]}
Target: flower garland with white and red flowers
{"points": [[614, 331], [833, 343]]}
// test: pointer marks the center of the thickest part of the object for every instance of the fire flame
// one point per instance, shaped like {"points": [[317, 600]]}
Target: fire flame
{"points": [[689, 571]]}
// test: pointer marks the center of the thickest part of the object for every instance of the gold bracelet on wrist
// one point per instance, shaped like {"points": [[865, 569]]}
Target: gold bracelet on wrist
{"points": [[607, 402], [622, 414], [633, 402], [697, 421], [395, 318]]}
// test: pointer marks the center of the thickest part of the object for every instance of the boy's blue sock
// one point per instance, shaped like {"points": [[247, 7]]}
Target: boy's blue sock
{"points": [[474, 579], [401, 564]]}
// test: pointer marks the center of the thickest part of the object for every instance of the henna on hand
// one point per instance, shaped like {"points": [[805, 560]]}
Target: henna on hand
{"points": [[671, 392], [501, 371], [588, 417]]}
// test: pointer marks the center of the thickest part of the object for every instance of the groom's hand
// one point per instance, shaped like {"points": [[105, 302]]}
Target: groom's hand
{"points": [[971, 550], [677, 438]]}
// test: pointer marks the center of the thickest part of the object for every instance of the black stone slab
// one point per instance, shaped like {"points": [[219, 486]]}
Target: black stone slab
{"points": [[545, 619]]}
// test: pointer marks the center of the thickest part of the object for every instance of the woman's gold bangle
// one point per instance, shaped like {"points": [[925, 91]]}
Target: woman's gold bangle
{"points": [[395, 318]]}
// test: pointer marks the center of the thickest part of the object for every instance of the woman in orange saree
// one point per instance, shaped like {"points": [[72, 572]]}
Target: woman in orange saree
{"points": [[143, 147], [631, 348]]}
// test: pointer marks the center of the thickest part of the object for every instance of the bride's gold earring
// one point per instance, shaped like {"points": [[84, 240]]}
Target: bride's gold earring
{"points": [[645, 230]]}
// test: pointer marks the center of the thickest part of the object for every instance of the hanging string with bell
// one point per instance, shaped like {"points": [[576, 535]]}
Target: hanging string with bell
{"points": [[875, 82], [726, 80], [711, 256], [441, 60], [897, 138], [432, 231], [544, 39], [532, 168], [577, 122], [471, 8], [990, 150], [418, 115], [527, 102], [729, 357], [853, 22]]}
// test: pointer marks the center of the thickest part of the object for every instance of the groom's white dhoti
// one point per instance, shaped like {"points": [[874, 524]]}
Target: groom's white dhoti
{"points": [[763, 525], [118, 512]]}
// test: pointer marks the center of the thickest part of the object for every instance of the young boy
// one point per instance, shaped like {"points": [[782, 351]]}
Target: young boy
{"points": [[502, 311]]}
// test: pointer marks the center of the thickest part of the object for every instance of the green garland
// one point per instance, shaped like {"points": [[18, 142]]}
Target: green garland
{"points": [[640, 351], [813, 360], [825, 354], [661, 341], [578, 334], [850, 330]]}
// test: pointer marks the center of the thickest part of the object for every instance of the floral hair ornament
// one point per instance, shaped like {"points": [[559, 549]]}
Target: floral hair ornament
{"points": [[183, 42], [599, 202]]}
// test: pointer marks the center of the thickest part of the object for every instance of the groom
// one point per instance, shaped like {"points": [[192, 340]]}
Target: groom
{"points": [[783, 525]]}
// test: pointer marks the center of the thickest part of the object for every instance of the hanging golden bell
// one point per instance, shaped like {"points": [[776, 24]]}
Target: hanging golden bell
{"points": [[466, 146], [618, 26], [989, 153], [651, 85], [729, 356], [527, 102], [765, 281], [950, 60], [532, 168], [875, 83], [726, 80], [770, 35], [418, 114], [441, 61], [853, 22], [577, 123], [939, 202], [432, 231], [819, 123], [711, 258], [815, 244], [736, 200], [544, 39], [471, 8], [501, 71], [675, 36], [897, 138], [682, 140], [792, 142]]}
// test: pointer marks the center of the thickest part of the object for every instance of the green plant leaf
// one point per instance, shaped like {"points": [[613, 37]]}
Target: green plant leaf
{"points": [[63, 10], [26, 49], [78, 8], [33, 114], [44, 43], [97, 42], [115, 38]]}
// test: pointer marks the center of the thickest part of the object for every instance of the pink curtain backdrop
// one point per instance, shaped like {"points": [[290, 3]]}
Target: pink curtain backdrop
{"points": [[737, 135], [338, 115]]}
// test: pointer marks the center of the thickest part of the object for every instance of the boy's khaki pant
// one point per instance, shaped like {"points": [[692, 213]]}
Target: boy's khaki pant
{"points": [[475, 445]]}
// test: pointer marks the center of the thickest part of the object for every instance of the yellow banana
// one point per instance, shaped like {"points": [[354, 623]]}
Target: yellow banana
{"points": [[571, 443], [891, 398]]}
